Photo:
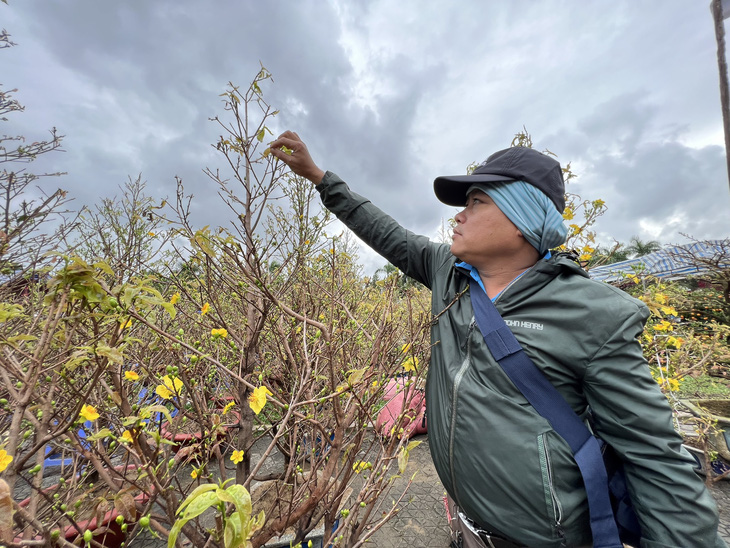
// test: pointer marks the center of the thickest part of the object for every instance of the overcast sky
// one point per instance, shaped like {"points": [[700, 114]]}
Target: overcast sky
{"points": [[388, 95]]}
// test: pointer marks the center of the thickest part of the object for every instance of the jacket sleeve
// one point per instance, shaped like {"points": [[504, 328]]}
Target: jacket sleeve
{"points": [[632, 415], [415, 255]]}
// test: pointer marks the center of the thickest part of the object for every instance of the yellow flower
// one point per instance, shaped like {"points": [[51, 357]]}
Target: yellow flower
{"points": [[405, 348], [175, 298], [126, 437], [568, 214], [168, 387], [660, 298], [257, 399], [669, 310], [228, 406], [163, 392], [361, 465], [205, 309], [5, 460], [676, 342], [410, 364], [237, 456], [151, 234], [673, 384], [375, 383], [131, 376], [664, 325], [194, 474], [127, 324], [221, 332], [89, 413]]}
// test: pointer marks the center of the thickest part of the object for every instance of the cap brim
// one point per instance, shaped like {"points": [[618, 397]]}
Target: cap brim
{"points": [[451, 189]]}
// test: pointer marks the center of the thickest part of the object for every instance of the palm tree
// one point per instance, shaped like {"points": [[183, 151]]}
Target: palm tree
{"points": [[639, 248]]}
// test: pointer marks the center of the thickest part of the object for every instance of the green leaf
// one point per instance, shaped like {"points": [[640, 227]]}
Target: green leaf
{"points": [[356, 375], [18, 338], [200, 504], [113, 354], [9, 311], [413, 445], [175, 531], [103, 433], [242, 499], [146, 412], [260, 135], [101, 265], [224, 496], [232, 534], [200, 489]]}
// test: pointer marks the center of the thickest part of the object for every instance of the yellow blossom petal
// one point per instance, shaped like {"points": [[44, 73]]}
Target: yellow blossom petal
{"points": [[361, 465], [220, 332], [194, 474], [172, 384], [228, 406], [669, 310], [175, 298], [257, 399], [5, 460], [205, 309], [131, 375], [127, 436], [89, 413], [163, 392], [237, 456], [410, 364]]}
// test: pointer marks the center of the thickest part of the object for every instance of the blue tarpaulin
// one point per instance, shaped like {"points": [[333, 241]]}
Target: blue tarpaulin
{"points": [[670, 262]]}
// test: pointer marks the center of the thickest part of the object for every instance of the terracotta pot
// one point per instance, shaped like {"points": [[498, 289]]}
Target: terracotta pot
{"points": [[187, 438], [112, 536]]}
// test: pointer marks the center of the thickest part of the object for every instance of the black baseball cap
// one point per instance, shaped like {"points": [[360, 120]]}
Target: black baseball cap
{"points": [[510, 164]]}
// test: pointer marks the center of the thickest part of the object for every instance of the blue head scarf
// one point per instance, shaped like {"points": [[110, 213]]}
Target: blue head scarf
{"points": [[530, 210]]}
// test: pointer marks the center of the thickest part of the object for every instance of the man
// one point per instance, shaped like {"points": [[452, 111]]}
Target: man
{"points": [[500, 461]]}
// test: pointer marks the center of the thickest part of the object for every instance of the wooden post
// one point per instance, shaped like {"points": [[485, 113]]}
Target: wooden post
{"points": [[716, 7]]}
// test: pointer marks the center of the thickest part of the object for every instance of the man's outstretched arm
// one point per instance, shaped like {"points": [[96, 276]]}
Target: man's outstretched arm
{"points": [[415, 255]]}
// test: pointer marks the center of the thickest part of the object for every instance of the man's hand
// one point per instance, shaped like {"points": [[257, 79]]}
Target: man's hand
{"points": [[291, 150]]}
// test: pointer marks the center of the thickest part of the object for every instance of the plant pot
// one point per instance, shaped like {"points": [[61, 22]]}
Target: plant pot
{"points": [[718, 411], [186, 437], [104, 527]]}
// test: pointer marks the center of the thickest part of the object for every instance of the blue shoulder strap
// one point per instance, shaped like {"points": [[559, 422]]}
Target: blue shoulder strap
{"points": [[545, 398]]}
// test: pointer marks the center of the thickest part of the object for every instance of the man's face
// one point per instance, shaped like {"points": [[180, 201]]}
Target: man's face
{"points": [[483, 232]]}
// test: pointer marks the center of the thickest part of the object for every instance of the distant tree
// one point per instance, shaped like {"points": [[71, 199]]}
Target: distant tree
{"points": [[608, 255], [26, 211], [639, 248]]}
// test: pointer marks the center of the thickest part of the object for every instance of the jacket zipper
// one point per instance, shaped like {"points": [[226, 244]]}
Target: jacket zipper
{"points": [[454, 399], [557, 507]]}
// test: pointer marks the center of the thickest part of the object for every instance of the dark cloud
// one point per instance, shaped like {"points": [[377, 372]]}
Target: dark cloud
{"points": [[387, 95]]}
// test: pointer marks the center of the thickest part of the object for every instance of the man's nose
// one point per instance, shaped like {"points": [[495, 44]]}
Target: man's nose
{"points": [[459, 218]]}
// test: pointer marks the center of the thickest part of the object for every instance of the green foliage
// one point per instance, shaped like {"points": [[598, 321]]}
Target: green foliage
{"points": [[703, 386], [238, 527]]}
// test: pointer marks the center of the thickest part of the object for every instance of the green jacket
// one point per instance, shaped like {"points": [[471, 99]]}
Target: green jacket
{"points": [[496, 456]]}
